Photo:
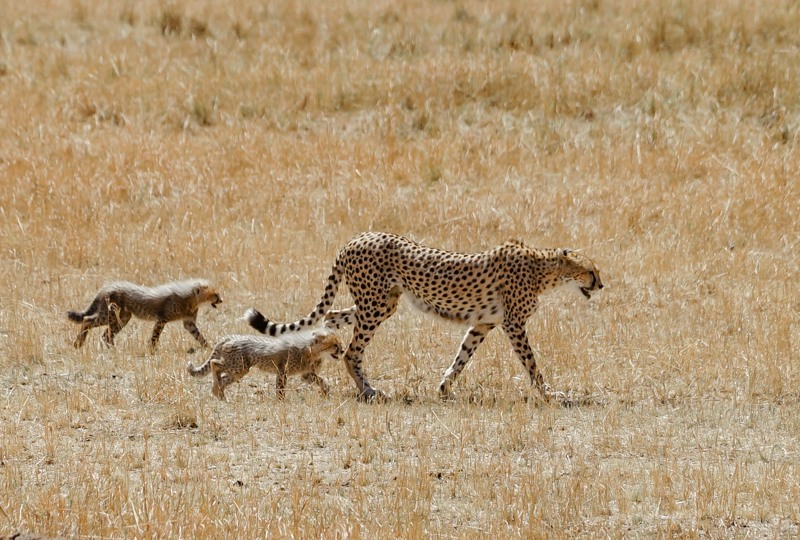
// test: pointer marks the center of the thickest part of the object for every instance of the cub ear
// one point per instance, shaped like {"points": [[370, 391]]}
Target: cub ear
{"points": [[565, 252]]}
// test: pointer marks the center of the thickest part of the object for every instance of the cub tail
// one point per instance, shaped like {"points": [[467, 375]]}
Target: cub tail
{"points": [[201, 371], [89, 315], [74, 316], [216, 353]]}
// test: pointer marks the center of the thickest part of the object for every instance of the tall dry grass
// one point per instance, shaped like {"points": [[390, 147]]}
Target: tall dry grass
{"points": [[246, 141]]}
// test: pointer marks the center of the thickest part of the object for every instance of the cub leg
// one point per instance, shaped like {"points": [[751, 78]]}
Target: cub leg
{"points": [[313, 378], [217, 383], [84, 331], [117, 319], [157, 329], [191, 327], [280, 382]]}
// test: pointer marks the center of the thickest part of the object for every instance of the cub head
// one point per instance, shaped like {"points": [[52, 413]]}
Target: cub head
{"points": [[206, 293], [579, 271], [328, 344]]}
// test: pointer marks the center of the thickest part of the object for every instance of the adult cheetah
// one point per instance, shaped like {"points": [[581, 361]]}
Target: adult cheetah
{"points": [[498, 287]]}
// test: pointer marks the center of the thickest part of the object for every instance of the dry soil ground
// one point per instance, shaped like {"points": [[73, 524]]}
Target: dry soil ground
{"points": [[245, 141]]}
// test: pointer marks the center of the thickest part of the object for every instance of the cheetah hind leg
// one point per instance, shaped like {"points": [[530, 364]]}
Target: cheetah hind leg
{"points": [[280, 383], [157, 329], [117, 319], [81, 337], [313, 378], [472, 339], [219, 381], [363, 330], [86, 325]]}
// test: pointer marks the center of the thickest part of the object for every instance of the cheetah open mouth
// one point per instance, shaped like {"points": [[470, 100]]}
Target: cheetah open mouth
{"points": [[214, 304], [587, 291]]}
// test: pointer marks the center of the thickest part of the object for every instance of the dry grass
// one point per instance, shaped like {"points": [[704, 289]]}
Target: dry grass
{"points": [[245, 141]]}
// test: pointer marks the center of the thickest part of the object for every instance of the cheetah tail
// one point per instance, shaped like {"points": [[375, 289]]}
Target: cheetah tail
{"points": [[90, 313], [255, 319], [74, 316], [263, 325], [201, 371]]}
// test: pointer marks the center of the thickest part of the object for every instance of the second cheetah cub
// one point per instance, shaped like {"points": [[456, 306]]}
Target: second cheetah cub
{"points": [[118, 301], [300, 353]]}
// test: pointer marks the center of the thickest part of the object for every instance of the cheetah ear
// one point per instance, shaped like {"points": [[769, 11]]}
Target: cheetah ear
{"points": [[565, 252]]}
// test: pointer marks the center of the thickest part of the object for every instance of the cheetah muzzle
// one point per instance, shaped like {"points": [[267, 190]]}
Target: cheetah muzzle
{"points": [[595, 286]]}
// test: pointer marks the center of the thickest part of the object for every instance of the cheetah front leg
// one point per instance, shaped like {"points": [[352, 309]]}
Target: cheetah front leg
{"points": [[472, 339], [191, 327], [519, 340]]}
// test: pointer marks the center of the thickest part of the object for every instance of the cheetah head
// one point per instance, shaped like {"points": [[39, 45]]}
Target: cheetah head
{"points": [[330, 345], [581, 271], [207, 293]]}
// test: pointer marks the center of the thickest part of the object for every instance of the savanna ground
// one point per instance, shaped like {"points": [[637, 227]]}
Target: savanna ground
{"points": [[246, 141]]}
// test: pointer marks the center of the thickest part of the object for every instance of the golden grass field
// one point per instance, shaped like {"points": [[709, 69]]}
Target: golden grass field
{"points": [[245, 142]]}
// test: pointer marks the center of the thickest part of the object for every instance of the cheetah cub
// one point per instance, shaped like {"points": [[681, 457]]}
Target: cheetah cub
{"points": [[300, 353], [118, 301]]}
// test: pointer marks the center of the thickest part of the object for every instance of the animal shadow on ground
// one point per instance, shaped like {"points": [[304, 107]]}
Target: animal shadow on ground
{"points": [[486, 399], [569, 400]]}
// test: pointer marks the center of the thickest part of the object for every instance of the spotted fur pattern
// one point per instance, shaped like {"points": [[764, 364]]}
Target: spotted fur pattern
{"points": [[300, 353], [118, 301], [498, 287]]}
